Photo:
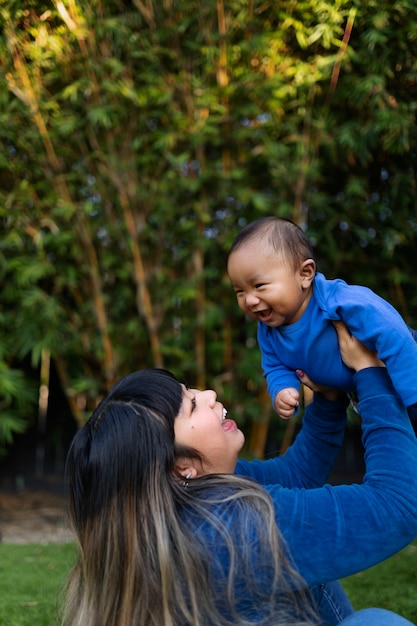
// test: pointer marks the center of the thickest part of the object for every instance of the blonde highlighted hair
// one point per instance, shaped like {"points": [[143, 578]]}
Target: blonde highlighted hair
{"points": [[140, 560]]}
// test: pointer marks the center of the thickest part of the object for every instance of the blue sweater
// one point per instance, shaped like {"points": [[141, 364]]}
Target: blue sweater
{"points": [[330, 531], [311, 344]]}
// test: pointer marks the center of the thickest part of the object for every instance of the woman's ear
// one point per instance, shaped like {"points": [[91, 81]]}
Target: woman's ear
{"points": [[186, 468], [307, 272]]}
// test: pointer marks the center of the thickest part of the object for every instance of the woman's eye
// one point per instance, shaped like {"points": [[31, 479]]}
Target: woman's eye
{"points": [[193, 403]]}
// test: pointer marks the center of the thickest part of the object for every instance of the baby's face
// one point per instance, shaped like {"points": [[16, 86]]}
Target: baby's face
{"points": [[268, 289]]}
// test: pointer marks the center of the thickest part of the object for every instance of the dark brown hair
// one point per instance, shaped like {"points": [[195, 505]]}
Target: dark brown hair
{"points": [[286, 238]]}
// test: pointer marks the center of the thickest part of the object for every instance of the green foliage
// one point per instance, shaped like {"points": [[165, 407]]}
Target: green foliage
{"points": [[136, 141], [17, 400]]}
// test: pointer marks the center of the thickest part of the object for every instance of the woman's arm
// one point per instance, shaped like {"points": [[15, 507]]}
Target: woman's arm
{"points": [[333, 532], [309, 460]]}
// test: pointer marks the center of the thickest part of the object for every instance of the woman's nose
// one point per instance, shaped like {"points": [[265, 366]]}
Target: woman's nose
{"points": [[210, 397]]}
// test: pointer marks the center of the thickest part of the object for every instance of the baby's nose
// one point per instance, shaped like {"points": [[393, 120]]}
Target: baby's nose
{"points": [[251, 299]]}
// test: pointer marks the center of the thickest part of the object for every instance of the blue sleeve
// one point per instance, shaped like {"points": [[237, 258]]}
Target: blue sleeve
{"points": [[277, 375], [335, 531], [309, 460], [381, 328]]}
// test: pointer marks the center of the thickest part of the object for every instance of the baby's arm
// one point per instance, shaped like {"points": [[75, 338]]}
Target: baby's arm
{"points": [[286, 401]]}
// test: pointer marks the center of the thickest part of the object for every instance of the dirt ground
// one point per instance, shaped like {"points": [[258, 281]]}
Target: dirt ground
{"points": [[33, 516]]}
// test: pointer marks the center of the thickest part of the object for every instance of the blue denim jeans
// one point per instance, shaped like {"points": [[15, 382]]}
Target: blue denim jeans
{"points": [[334, 609], [332, 603], [375, 617]]}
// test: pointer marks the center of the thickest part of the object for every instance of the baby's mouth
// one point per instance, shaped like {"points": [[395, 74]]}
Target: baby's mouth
{"points": [[265, 314]]}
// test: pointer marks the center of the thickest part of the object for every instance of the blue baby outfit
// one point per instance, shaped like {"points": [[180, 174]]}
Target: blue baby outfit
{"points": [[311, 343]]}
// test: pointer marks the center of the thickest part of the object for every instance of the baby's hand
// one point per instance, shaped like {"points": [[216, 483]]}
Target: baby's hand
{"points": [[286, 401]]}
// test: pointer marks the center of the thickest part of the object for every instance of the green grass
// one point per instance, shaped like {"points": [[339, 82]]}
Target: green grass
{"points": [[32, 577], [390, 585]]}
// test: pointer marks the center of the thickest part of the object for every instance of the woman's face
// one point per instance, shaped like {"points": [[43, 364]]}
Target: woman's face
{"points": [[201, 424]]}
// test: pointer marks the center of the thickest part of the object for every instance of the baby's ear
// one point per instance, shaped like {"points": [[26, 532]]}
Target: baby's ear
{"points": [[307, 272]]}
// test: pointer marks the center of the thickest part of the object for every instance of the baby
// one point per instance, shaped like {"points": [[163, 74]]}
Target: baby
{"points": [[273, 273]]}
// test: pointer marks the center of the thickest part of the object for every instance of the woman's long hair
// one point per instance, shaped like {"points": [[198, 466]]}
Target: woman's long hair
{"points": [[139, 561]]}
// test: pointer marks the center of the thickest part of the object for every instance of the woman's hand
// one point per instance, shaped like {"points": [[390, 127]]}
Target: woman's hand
{"points": [[354, 354]]}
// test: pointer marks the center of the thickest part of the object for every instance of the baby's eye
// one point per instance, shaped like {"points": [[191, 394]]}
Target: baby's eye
{"points": [[259, 285]]}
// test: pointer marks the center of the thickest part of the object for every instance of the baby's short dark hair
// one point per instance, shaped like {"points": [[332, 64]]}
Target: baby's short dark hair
{"points": [[284, 236]]}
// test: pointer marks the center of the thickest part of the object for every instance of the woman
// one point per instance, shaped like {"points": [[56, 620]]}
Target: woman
{"points": [[174, 530]]}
